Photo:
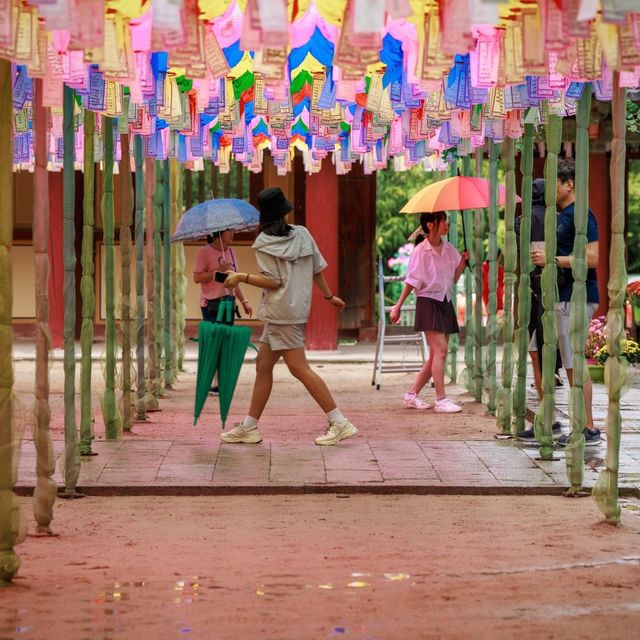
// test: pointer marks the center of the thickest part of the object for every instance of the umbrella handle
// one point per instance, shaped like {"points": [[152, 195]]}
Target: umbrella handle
{"points": [[464, 238]]}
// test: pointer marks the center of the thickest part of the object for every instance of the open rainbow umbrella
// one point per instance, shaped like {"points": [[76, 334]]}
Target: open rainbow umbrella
{"points": [[457, 193], [454, 194]]}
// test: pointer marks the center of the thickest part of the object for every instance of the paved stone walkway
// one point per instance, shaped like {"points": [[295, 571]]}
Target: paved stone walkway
{"points": [[357, 465], [385, 466]]}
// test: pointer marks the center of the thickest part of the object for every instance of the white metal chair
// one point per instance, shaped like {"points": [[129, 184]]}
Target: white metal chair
{"points": [[400, 334]]}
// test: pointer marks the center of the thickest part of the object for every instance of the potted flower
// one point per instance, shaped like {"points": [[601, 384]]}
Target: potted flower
{"points": [[596, 340], [633, 296], [630, 350]]}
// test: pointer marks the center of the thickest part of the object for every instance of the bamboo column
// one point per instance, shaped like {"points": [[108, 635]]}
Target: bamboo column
{"points": [[467, 230], [478, 256], [492, 320], [153, 387], [188, 188], [505, 403], [71, 449], [126, 206], [141, 406], [544, 418], [44, 495], [169, 377], [87, 286], [112, 420], [606, 489], [214, 181], [454, 341], [201, 197], [578, 319], [10, 510], [157, 267], [524, 290], [179, 264]]}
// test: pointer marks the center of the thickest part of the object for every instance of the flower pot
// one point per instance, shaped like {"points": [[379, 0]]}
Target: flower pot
{"points": [[596, 372]]}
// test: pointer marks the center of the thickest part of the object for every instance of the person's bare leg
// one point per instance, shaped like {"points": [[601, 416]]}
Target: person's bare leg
{"points": [[537, 373], [438, 347], [424, 375], [265, 362], [587, 390], [296, 360]]}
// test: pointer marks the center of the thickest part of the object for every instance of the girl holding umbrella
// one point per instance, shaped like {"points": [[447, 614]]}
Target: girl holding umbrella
{"points": [[434, 266]]}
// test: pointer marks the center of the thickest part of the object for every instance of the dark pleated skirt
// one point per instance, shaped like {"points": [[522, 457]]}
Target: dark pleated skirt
{"points": [[433, 315]]}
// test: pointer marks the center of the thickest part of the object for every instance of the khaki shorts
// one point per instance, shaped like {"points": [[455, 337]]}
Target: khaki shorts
{"points": [[281, 337], [564, 339]]}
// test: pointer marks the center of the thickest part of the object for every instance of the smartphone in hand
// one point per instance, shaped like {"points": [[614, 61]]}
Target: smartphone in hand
{"points": [[220, 276]]}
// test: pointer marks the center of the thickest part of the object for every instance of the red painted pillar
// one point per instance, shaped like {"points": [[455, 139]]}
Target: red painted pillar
{"points": [[321, 196], [600, 203]]}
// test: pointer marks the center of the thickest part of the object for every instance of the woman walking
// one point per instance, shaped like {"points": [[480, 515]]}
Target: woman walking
{"points": [[290, 264], [434, 266]]}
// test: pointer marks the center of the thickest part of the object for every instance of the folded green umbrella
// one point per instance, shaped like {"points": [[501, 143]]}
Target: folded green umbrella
{"points": [[221, 348], [234, 348], [210, 337]]}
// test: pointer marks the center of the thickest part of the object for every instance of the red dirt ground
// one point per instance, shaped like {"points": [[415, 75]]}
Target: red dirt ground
{"points": [[316, 567]]}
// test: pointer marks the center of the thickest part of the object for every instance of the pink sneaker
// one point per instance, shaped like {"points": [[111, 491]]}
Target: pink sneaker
{"points": [[413, 401], [447, 406]]}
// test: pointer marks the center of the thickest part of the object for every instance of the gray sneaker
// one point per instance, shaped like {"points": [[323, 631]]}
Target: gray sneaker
{"points": [[591, 438], [240, 435], [336, 432]]}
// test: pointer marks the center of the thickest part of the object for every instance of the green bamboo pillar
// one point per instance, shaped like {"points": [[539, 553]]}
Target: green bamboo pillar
{"points": [[505, 400], [454, 341], [467, 229], [112, 420], [71, 448], [141, 407], [213, 176], [179, 265], [153, 380], [169, 377], [126, 207], [543, 421], [188, 188], [157, 267], [492, 320], [10, 510], [478, 258], [44, 494], [87, 286], [606, 488], [524, 283], [578, 318]]}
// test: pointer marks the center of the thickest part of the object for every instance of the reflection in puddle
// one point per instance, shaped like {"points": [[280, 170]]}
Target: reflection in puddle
{"points": [[279, 588]]}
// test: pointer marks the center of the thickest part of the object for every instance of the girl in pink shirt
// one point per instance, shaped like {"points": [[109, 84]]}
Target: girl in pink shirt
{"points": [[434, 266], [216, 255]]}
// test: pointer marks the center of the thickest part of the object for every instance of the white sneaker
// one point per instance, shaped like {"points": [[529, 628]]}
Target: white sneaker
{"points": [[447, 406], [413, 401], [336, 432], [239, 435]]}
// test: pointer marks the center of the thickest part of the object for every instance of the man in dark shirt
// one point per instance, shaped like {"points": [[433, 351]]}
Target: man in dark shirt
{"points": [[536, 334], [565, 235]]}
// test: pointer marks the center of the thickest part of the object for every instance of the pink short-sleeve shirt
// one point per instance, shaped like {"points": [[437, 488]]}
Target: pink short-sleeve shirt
{"points": [[209, 259]]}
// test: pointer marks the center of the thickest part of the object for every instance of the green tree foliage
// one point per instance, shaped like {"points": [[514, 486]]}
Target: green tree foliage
{"points": [[633, 217], [393, 191]]}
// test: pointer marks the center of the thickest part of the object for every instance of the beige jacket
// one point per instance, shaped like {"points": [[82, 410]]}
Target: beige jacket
{"points": [[293, 261]]}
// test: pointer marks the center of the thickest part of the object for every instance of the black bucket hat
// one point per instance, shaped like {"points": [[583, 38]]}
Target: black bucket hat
{"points": [[273, 205]]}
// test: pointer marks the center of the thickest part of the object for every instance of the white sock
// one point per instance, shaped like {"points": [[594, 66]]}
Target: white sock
{"points": [[336, 416], [249, 423]]}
